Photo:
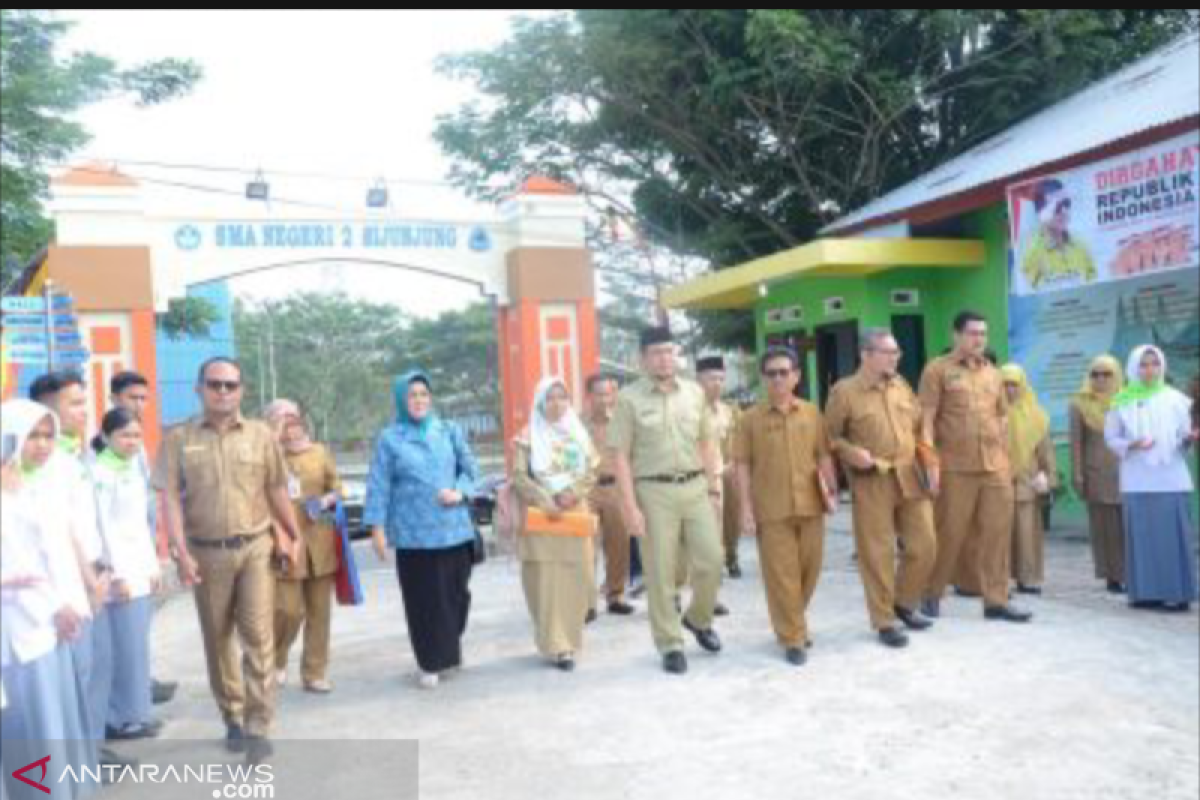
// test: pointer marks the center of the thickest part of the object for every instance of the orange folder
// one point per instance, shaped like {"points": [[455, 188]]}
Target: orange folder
{"points": [[569, 524]]}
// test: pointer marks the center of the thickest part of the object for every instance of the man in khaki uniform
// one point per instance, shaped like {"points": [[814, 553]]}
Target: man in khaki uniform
{"points": [[787, 484], [710, 372], [873, 421], [605, 500], [668, 476], [223, 478], [964, 417]]}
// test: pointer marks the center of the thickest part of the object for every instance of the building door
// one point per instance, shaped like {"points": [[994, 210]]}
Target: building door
{"points": [[837, 355], [909, 330]]}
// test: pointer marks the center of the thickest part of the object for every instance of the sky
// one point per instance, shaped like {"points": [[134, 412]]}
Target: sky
{"points": [[341, 93]]}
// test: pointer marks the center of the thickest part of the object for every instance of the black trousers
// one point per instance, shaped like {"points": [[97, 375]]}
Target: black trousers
{"points": [[437, 602]]}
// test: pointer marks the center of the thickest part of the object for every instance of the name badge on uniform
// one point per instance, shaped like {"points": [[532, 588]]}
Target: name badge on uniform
{"points": [[293, 485]]}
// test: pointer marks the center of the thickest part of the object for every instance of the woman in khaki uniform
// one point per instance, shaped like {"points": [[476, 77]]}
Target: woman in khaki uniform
{"points": [[1095, 470], [554, 469], [304, 590], [1034, 474]]}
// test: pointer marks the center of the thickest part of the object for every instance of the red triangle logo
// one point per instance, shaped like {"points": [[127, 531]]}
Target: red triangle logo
{"points": [[20, 774]]}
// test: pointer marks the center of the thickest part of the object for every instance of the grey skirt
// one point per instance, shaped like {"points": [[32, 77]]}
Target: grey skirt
{"points": [[1160, 559]]}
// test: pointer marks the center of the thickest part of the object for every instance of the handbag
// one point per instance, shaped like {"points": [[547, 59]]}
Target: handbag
{"points": [[347, 585], [478, 549]]}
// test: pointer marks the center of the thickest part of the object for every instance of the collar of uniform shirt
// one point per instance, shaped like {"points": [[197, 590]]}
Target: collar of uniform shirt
{"points": [[793, 403], [968, 360], [665, 386], [237, 422], [873, 382]]}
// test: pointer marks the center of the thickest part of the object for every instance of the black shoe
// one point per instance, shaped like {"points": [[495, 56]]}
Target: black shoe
{"points": [[893, 637], [258, 749], [591, 616], [966, 592], [912, 620], [735, 571], [620, 608], [795, 656], [719, 610], [1023, 589], [1145, 604], [235, 738], [1007, 614], [565, 662], [675, 663], [1115, 587], [162, 691], [127, 733], [931, 607], [707, 639]]}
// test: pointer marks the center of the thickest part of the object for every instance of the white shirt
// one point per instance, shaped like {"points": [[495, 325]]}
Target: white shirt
{"points": [[1165, 418], [76, 482], [121, 499], [36, 543]]}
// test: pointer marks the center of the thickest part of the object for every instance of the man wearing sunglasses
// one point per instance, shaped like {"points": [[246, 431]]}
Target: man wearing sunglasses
{"points": [[224, 479], [874, 423], [787, 485], [1054, 254]]}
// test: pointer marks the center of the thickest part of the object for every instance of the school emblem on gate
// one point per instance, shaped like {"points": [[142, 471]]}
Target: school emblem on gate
{"points": [[187, 237], [480, 241]]}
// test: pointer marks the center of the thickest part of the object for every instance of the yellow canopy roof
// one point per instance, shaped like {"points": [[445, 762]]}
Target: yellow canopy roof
{"points": [[738, 287]]}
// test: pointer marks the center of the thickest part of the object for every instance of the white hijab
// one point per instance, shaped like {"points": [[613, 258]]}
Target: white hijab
{"points": [[1165, 417], [560, 452], [19, 417]]}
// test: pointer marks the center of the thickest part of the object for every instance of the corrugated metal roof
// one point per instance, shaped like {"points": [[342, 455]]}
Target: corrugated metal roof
{"points": [[1162, 88]]}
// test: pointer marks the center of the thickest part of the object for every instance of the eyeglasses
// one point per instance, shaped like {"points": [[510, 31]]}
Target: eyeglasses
{"points": [[777, 373], [1102, 374], [223, 386]]}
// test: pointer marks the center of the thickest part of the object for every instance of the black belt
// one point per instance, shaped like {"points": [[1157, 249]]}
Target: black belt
{"points": [[606, 480], [682, 477], [232, 543]]}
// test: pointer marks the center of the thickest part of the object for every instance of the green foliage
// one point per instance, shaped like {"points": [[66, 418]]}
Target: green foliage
{"points": [[736, 133], [39, 92]]}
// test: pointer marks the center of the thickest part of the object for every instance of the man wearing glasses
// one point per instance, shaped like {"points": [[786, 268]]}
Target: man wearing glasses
{"points": [[223, 479], [965, 417], [787, 485], [874, 423]]}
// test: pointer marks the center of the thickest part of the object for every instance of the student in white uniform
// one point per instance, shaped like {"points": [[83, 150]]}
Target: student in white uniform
{"points": [[44, 607], [121, 498], [64, 393]]}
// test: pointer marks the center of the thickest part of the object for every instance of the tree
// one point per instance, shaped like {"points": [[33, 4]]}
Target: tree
{"points": [[188, 316], [39, 90], [735, 133], [458, 351], [329, 353]]}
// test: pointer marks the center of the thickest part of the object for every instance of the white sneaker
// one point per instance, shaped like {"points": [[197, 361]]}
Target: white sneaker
{"points": [[281, 678], [428, 680]]}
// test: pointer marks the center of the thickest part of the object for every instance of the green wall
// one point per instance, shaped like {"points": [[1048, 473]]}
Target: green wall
{"points": [[943, 293]]}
